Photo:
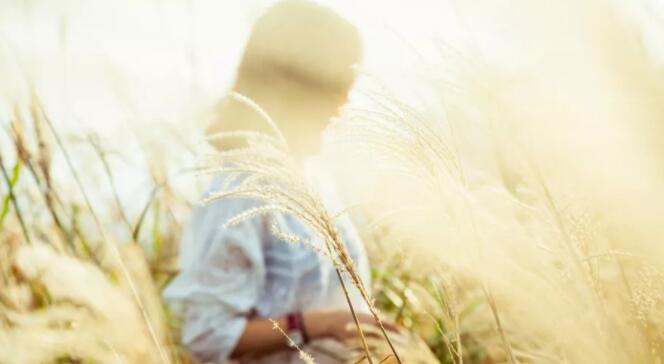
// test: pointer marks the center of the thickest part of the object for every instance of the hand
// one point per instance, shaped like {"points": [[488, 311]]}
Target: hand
{"points": [[340, 325]]}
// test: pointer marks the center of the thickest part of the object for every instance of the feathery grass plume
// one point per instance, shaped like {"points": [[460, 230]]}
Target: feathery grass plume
{"points": [[79, 313], [540, 197], [494, 236], [305, 357], [39, 194], [274, 177]]}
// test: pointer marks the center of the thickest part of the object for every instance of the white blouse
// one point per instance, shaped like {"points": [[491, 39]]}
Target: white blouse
{"points": [[231, 274]]}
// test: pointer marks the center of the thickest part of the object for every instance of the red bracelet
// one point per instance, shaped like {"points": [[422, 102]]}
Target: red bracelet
{"points": [[295, 325], [292, 322]]}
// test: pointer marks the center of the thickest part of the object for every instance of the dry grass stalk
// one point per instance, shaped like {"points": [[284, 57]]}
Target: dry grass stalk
{"points": [[164, 357], [306, 358]]}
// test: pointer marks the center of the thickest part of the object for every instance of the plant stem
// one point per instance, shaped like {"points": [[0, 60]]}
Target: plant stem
{"points": [[494, 311], [12, 197], [358, 283], [116, 197], [352, 309]]}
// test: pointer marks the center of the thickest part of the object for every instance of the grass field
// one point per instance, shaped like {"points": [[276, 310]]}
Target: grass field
{"points": [[511, 214]]}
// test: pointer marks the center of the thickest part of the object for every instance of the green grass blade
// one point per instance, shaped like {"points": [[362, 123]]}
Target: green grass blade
{"points": [[16, 172]]}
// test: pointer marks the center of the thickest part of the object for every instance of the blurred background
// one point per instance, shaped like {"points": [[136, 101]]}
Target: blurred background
{"points": [[144, 72], [552, 110]]}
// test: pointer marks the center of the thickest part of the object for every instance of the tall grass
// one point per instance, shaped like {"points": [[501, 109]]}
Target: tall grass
{"points": [[528, 191], [516, 217]]}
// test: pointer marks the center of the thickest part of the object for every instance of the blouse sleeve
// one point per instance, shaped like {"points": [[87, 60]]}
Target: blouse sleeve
{"points": [[221, 277]]}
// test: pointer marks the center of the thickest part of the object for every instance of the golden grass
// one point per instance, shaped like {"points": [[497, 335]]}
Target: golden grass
{"points": [[519, 220]]}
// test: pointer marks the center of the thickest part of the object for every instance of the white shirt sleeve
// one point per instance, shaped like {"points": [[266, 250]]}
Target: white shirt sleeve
{"points": [[222, 275]]}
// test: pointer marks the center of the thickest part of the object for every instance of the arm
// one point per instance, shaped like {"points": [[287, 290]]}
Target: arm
{"points": [[220, 283], [259, 335]]}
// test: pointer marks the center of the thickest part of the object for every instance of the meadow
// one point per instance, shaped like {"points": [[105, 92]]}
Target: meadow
{"points": [[513, 208]]}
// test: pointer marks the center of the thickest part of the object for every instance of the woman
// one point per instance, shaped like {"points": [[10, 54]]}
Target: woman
{"points": [[298, 67]]}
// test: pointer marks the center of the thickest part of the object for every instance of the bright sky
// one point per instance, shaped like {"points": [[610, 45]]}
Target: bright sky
{"points": [[124, 68], [164, 52], [157, 59]]}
